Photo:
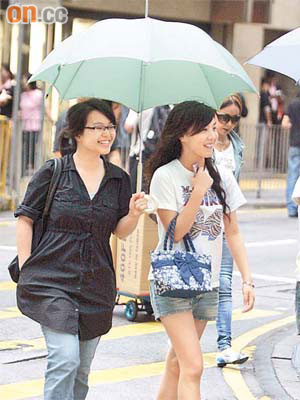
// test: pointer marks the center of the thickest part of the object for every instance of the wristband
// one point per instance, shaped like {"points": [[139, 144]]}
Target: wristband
{"points": [[249, 284]]}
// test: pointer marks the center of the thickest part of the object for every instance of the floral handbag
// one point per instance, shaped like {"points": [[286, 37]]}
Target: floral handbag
{"points": [[178, 273]]}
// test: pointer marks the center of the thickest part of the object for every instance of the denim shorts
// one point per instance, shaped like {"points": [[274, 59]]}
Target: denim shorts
{"points": [[204, 306]]}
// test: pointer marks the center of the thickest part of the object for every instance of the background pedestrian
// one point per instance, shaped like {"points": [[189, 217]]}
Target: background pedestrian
{"points": [[291, 120], [228, 153], [6, 91]]}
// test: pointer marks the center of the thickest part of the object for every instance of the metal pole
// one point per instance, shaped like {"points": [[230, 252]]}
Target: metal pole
{"points": [[249, 10], [14, 170], [146, 8], [262, 158]]}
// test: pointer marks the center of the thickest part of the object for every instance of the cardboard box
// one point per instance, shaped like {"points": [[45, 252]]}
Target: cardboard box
{"points": [[133, 258]]}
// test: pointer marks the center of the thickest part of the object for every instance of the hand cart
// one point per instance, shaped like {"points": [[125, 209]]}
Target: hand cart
{"points": [[135, 305]]}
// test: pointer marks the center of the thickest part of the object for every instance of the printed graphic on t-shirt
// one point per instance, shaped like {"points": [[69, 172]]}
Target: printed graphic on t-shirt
{"points": [[226, 162], [209, 217]]}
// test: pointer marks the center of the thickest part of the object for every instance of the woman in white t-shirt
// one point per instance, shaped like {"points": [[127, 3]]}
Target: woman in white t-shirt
{"points": [[201, 199], [228, 153]]}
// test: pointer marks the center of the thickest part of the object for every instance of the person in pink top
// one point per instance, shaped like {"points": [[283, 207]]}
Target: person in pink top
{"points": [[31, 103]]}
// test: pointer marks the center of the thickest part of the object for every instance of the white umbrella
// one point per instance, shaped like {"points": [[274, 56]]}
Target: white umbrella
{"points": [[282, 55]]}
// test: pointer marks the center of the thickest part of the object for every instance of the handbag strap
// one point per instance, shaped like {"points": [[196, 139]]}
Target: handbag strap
{"points": [[188, 243], [58, 164]]}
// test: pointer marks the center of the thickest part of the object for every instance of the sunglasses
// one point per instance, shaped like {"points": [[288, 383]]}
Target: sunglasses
{"points": [[225, 118]]}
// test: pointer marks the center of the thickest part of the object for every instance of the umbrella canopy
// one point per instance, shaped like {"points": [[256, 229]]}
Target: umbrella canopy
{"points": [[143, 63], [282, 55]]}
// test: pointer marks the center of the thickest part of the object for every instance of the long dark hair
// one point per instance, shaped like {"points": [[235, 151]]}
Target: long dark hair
{"points": [[187, 116], [76, 121]]}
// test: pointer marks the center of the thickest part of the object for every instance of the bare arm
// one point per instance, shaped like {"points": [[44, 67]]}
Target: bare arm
{"points": [[127, 224], [24, 238], [239, 254]]}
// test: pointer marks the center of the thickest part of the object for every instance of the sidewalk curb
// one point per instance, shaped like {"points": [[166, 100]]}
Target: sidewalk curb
{"points": [[286, 373]]}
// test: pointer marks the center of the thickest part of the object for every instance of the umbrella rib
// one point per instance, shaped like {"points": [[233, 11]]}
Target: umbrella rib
{"points": [[54, 82], [71, 81], [208, 85]]}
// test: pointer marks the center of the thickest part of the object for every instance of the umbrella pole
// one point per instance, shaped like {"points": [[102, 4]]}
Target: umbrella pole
{"points": [[139, 178]]}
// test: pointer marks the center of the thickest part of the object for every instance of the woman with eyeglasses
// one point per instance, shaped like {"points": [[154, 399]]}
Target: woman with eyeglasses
{"points": [[228, 153], [67, 283]]}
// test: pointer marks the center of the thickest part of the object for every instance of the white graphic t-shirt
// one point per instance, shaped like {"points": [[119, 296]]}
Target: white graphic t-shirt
{"points": [[171, 185], [225, 158]]}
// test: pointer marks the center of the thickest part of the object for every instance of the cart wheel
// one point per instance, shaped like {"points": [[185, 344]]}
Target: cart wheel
{"points": [[148, 308], [131, 310]]}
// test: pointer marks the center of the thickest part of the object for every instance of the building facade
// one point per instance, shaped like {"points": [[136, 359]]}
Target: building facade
{"points": [[244, 27]]}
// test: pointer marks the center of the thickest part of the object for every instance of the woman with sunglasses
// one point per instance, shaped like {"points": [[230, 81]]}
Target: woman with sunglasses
{"points": [[228, 153]]}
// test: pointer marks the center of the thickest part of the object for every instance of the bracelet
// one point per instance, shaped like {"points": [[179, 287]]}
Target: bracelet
{"points": [[249, 284]]}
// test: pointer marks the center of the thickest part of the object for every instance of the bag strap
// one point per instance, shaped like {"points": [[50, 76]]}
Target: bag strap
{"points": [[188, 243], [58, 164], [53, 185]]}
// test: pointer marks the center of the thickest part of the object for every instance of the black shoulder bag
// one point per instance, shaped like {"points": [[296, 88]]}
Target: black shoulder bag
{"points": [[39, 226]]}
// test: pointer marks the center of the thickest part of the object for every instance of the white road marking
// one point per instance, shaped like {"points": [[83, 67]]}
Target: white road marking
{"points": [[269, 278], [282, 242], [9, 248]]}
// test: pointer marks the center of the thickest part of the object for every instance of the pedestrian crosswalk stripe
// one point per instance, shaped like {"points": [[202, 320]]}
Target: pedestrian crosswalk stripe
{"points": [[10, 312], [13, 312], [118, 332], [7, 285], [232, 375], [28, 389]]}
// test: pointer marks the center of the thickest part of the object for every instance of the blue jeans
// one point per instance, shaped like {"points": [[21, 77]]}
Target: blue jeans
{"points": [[293, 174], [224, 317], [69, 363]]}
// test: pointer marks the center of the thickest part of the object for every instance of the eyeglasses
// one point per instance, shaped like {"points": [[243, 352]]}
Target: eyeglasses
{"points": [[102, 128], [225, 118]]}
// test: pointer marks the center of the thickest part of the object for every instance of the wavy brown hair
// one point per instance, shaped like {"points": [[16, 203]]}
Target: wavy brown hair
{"points": [[189, 116]]}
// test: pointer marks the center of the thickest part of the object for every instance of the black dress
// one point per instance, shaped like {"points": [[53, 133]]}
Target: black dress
{"points": [[68, 282]]}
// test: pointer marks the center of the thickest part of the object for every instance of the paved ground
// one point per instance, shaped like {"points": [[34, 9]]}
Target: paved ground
{"points": [[130, 359]]}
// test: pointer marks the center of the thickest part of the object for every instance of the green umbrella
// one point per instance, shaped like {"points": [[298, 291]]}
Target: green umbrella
{"points": [[143, 63]]}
